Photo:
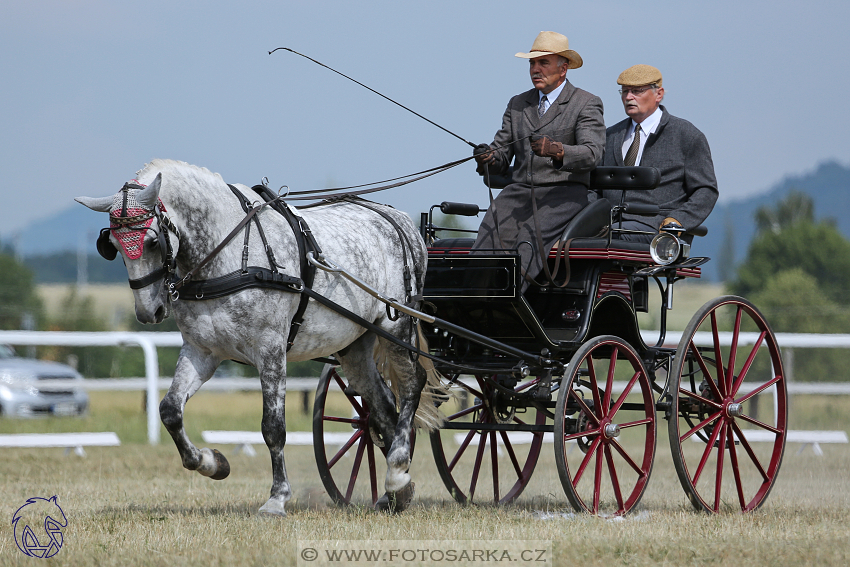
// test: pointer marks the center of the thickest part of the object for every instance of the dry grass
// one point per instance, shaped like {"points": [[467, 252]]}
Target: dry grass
{"points": [[135, 505]]}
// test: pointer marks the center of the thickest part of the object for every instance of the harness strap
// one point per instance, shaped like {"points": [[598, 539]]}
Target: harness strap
{"points": [[246, 206], [147, 280], [306, 243], [406, 244], [188, 277], [240, 280]]}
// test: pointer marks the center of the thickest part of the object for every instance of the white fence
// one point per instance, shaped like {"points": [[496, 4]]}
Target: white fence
{"points": [[149, 342]]}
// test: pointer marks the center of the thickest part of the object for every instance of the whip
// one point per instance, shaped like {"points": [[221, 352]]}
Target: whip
{"points": [[374, 91]]}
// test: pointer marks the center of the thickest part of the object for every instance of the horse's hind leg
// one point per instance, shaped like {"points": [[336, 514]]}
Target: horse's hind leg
{"points": [[273, 383], [193, 369], [358, 363], [411, 379]]}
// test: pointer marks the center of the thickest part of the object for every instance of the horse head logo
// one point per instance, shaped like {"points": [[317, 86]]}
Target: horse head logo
{"points": [[38, 527]]}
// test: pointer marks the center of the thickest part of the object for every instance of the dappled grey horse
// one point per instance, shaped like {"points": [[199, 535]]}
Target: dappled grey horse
{"points": [[168, 221]]}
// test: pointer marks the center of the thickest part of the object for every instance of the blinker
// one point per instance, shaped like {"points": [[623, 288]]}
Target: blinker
{"points": [[104, 247]]}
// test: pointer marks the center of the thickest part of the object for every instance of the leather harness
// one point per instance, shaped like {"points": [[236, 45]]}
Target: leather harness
{"points": [[271, 278]]}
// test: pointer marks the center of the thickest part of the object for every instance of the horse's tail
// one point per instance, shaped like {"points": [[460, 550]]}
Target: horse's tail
{"points": [[428, 415]]}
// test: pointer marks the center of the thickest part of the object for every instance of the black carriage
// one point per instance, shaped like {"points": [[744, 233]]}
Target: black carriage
{"points": [[567, 364]]}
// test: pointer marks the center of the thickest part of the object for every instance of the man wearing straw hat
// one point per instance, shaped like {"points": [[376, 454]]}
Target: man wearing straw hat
{"points": [[551, 138], [652, 137]]}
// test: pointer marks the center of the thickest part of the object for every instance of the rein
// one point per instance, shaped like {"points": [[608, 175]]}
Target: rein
{"points": [[174, 287], [313, 193]]}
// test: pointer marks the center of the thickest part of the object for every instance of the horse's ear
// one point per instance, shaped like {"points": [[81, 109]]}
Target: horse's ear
{"points": [[149, 196], [99, 204]]}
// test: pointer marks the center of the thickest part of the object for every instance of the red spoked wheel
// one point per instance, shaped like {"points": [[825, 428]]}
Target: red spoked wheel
{"points": [[490, 457], [605, 428], [344, 443], [727, 448]]}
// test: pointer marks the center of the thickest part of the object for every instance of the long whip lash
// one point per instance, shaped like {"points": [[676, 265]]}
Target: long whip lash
{"points": [[374, 91]]}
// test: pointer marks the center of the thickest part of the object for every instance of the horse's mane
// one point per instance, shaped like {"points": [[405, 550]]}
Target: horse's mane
{"points": [[173, 168]]}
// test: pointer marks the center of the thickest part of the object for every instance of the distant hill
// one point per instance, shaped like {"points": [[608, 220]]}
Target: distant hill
{"points": [[64, 231], [65, 267], [49, 246], [828, 186]]}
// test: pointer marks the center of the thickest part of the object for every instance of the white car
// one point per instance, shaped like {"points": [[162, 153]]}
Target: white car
{"points": [[19, 392]]}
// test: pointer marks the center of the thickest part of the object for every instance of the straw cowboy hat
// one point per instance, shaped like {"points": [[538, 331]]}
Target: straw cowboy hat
{"points": [[553, 43]]}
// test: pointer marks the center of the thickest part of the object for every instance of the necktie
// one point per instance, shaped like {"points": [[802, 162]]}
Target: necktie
{"points": [[631, 155], [541, 108]]}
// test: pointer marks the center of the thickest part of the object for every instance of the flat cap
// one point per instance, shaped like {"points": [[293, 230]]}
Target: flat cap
{"points": [[639, 75]]}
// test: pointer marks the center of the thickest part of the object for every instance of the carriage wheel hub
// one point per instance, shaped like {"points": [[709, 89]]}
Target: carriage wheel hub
{"points": [[735, 410], [611, 430]]}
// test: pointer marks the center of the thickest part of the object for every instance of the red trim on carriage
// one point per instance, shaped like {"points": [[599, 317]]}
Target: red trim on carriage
{"points": [[614, 281], [588, 254]]}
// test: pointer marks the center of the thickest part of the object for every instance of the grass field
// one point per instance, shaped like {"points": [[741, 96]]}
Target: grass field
{"points": [[114, 302], [135, 505]]}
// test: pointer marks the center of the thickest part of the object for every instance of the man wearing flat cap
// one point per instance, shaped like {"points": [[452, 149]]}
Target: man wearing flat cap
{"points": [[551, 138], [652, 137]]}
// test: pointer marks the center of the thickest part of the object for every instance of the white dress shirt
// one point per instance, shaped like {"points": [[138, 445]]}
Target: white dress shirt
{"points": [[647, 127], [551, 97]]}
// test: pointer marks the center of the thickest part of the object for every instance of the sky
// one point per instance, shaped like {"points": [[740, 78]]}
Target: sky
{"points": [[94, 89]]}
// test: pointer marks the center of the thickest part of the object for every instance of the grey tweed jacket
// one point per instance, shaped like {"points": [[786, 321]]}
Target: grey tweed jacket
{"points": [[688, 188], [574, 119]]}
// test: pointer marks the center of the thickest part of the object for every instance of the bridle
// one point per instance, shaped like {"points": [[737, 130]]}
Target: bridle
{"points": [[137, 222]]}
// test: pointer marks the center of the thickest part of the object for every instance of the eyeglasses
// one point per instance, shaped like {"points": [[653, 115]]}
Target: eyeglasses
{"points": [[637, 91]]}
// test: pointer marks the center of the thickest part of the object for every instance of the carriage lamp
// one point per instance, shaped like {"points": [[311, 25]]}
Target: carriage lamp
{"points": [[667, 247]]}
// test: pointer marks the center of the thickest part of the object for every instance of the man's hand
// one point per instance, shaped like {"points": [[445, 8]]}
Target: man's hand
{"points": [[543, 146], [483, 154], [670, 223]]}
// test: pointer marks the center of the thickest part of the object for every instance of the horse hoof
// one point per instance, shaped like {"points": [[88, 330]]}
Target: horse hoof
{"points": [[222, 467], [273, 508], [394, 502]]}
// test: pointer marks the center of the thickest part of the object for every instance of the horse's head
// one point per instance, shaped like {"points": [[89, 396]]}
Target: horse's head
{"points": [[139, 229]]}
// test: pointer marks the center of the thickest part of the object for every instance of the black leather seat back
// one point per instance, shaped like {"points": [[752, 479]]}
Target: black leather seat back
{"points": [[624, 178], [589, 221], [603, 177]]}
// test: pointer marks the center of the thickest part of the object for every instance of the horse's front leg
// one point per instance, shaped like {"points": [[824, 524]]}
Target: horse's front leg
{"points": [[273, 383], [194, 367]]}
